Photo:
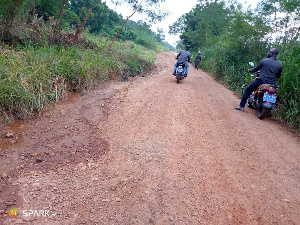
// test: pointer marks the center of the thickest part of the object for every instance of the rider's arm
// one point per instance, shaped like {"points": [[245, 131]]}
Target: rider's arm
{"points": [[278, 75], [189, 58], [259, 66]]}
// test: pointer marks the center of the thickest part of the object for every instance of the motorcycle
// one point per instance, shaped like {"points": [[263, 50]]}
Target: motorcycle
{"points": [[180, 72], [264, 99]]}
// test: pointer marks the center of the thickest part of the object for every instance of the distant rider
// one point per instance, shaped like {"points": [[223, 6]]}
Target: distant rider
{"points": [[198, 60], [183, 57], [270, 69]]}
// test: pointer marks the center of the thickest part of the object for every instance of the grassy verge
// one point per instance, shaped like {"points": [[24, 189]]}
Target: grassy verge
{"points": [[33, 77], [289, 83]]}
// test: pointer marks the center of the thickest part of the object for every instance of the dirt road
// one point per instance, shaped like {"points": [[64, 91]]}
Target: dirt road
{"points": [[151, 151]]}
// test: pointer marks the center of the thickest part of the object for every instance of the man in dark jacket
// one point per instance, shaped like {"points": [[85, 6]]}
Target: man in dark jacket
{"points": [[198, 60], [183, 57], [270, 69]]}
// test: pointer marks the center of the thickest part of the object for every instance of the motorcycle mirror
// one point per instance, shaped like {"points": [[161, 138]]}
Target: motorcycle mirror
{"points": [[251, 64]]}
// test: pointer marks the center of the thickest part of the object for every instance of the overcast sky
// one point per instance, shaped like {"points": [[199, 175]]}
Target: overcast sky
{"points": [[176, 8]]}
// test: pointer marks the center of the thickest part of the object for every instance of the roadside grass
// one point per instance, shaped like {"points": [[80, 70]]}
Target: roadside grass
{"points": [[32, 77], [135, 58], [289, 91]]}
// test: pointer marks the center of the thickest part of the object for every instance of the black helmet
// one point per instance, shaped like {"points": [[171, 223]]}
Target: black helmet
{"points": [[274, 51], [187, 47]]}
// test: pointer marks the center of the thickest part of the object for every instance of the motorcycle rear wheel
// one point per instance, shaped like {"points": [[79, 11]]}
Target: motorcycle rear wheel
{"points": [[262, 112], [178, 78]]}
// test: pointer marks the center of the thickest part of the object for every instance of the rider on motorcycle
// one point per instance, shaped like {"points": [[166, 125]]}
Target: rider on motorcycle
{"points": [[182, 57], [270, 69]]}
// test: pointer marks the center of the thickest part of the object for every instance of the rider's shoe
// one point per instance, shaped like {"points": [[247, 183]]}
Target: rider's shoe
{"points": [[240, 108], [174, 73]]}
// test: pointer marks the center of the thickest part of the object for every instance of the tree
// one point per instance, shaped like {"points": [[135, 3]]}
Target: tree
{"points": [[17, 15], [81, 27], [160, 35], [178, 26], [148, 7], [57, 27], [8, 10], [283, 17], [43, 8], [31, 12], [80, 24], [199, 26], [103, 20]]}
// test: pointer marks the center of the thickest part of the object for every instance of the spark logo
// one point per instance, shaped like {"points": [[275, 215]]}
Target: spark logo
{"points": [[13, 213], [38, 213]]}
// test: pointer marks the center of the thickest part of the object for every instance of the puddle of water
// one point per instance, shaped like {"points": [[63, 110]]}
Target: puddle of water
{"points": [[69, 99], [17, 128]]}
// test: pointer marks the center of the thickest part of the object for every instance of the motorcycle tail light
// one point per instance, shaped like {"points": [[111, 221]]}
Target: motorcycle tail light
{"points": [[271, 90], [259, 92]]}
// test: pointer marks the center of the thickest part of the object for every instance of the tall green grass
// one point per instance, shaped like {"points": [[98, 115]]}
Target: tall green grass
{"points": [[289, 91], [136, 58], [32, 77]]}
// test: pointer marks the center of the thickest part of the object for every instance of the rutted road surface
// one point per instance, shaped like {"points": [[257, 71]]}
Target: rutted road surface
{"points": [[151, 151]]}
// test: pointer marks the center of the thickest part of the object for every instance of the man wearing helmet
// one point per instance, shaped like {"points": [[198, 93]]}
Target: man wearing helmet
{"points": [[197, 60], [183, 57], [270, 69]]}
